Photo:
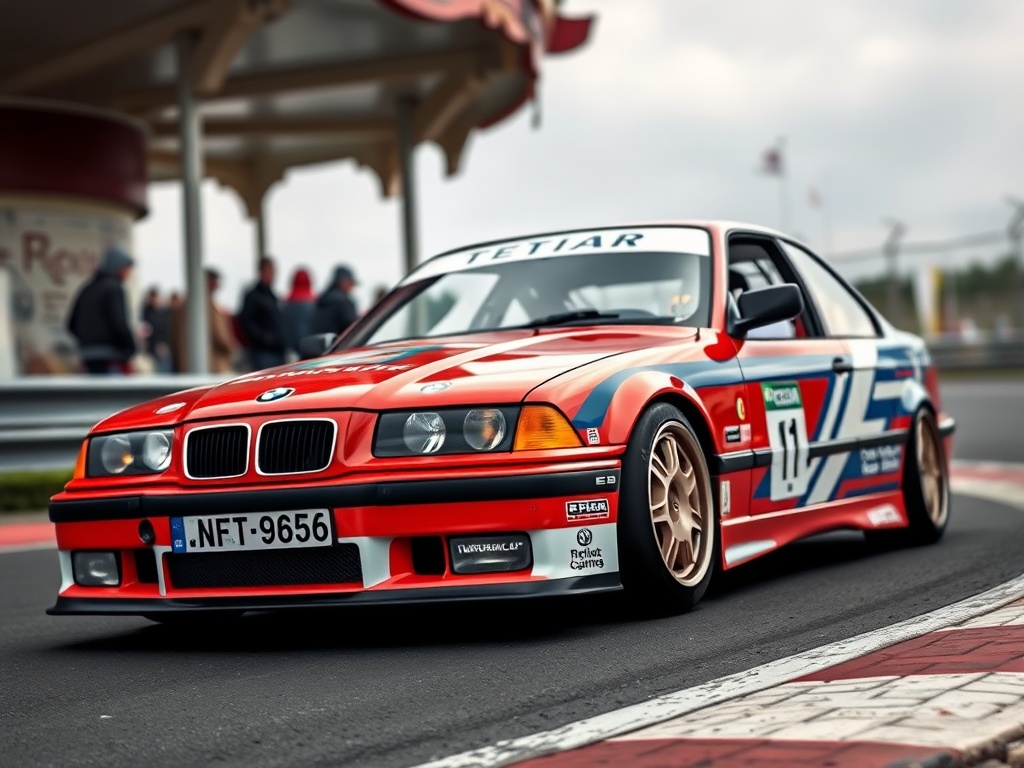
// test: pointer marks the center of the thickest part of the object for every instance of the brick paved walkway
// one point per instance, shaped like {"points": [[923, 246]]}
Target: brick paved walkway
{"points": [[951, 697]]}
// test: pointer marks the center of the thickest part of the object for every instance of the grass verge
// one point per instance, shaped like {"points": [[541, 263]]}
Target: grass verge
{"points": [[30, 491]]}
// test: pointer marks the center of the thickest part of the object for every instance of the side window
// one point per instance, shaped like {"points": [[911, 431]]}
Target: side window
{"points": [[751, 266], [840, 311]]}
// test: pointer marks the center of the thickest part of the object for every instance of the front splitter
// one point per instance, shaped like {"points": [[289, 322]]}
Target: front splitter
{"points": [[113, 606]]}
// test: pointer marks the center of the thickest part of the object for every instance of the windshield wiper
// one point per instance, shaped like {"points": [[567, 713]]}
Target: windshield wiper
{"points": [[559, 318]]}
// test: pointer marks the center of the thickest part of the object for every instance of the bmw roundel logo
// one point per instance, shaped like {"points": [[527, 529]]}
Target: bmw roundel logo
{"points": [[584, 537], [278, 393]]}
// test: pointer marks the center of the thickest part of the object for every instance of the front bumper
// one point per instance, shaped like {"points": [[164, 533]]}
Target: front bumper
{"points": [[382, 519], [580, 585]]}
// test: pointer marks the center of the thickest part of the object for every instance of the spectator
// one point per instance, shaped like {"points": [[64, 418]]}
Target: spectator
{"points": [[335, 310], [99, 318], [262, 322], [298, 309], [157, 320], [221, 342]]}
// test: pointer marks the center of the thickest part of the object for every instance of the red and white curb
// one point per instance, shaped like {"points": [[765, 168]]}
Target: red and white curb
{"points": [[25, 537]]}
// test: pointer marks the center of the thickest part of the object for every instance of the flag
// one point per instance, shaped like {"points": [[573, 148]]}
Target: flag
{"points": [[772, 161], [813, 198]]}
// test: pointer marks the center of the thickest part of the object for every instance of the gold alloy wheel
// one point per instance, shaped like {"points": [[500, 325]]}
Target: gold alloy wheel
{"points": [[681, 511], [934, 489]]}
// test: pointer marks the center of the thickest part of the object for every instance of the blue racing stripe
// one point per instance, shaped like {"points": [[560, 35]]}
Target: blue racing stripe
{"points": [[697, 374]]}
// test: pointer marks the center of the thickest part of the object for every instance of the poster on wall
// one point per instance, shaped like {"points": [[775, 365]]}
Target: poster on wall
{"points": [[47, 254]]}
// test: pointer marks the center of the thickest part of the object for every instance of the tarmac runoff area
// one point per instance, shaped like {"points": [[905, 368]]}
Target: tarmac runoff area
{"points": [[942, 689]]}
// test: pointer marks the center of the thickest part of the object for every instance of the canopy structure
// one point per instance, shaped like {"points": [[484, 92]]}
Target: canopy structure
{"points": [[243, 90]]}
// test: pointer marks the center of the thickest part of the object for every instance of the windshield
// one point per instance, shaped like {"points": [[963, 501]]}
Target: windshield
{"points": [[634, 286]]}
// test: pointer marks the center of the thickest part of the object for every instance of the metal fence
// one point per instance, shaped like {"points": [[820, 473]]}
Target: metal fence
{"points": [[43, 419]]}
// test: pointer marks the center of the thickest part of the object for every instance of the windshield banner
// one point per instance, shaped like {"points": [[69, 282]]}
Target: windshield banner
{"points": [[625, 241]]}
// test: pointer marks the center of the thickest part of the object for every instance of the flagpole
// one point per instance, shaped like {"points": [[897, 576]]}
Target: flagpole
{"points": [[826, 219], [783, 186]]}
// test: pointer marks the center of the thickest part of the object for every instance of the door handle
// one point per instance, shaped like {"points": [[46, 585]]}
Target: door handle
{"points": [[842, 365]]}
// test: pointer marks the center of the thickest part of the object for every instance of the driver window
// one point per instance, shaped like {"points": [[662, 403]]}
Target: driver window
{"points": [[751, 267]]}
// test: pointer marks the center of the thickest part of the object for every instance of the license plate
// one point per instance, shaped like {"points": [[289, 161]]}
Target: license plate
{"points": [[255, 530]]}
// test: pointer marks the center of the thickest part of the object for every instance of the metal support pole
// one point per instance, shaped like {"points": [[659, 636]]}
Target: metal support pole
{"points": [[261, 233], [406, 148], [190, 139], [1015, 230], [891, 249]]}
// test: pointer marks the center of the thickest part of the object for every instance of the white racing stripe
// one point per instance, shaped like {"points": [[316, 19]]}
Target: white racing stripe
{"points": [[671, 705]]}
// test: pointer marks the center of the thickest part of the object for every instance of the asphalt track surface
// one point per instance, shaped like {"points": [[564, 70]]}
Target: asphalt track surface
{"points": [[397, 687]]}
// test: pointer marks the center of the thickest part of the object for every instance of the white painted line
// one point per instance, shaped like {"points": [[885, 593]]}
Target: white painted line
{"points": [[671, 705]]}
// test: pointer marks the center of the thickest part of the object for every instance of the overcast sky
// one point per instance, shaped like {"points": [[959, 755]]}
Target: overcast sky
{"points": [[913, 110]]}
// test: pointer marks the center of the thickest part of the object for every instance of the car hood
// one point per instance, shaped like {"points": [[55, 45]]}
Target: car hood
{"points": [[497, 368]]}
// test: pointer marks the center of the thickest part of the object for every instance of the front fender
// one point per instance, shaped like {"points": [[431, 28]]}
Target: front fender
{"points": [[633, 396]]}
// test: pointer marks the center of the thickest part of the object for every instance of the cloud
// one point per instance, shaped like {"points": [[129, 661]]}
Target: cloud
{"points": [[908, 109]]}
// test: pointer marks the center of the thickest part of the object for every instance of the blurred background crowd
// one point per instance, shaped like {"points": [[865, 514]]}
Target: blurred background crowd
{"points": [[265, 329]]}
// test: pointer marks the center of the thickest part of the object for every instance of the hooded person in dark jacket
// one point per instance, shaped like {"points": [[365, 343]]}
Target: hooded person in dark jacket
{"points": [[261, 321], [335, 311], [99, 317]]}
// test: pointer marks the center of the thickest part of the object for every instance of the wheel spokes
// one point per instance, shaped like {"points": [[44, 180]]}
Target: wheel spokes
{"points": [[679, 498]]}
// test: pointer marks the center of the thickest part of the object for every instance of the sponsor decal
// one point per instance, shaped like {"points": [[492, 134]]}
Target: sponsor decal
{"points": [[587, 509], [317, 371], [490, 546], [882, 460], [725, 498], [586, 557], [437, 386], [885, 515], [643, 239], [741, 409], [781, 395], [170, 408], [278, 393], [593, 436], [739, 434]]}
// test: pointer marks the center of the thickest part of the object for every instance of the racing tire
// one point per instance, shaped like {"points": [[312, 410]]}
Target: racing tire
{"points": [[667, 527], [925, 488]]}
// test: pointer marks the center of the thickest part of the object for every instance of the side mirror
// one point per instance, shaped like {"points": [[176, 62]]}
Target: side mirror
{"points": [[316, 345], [764, 306]]}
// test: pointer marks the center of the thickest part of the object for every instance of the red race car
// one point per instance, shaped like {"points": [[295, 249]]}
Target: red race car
{"points": [[581, 411]]}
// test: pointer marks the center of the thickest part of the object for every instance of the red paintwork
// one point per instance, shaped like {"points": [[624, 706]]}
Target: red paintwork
{"points": [[564, 367], [56, 150]]}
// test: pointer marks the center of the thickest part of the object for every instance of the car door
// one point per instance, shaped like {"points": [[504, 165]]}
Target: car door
{"points": [[862, 454], [795, 379]]}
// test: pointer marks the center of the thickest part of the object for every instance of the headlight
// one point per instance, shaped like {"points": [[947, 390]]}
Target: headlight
{"points": [[116, 454], [445, 431], [156, 451], [129, 453], [424, 433], [484, 428]]}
